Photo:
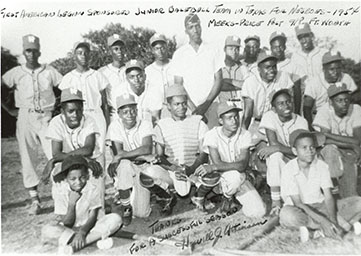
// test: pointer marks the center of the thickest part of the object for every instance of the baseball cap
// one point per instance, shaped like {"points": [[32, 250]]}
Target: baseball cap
{"points": [[233, 41], [31, 42], [275, 94], [125, 99], [252, 37], [175, 90], [318, 137], [68, 162], [331, 56], [225, 107], [157, 38], [192, 17], [71, 94], [115, 38], [134, 64], [303, 29], [336, 89], [81, 44], [263, 56], [277, 34]]}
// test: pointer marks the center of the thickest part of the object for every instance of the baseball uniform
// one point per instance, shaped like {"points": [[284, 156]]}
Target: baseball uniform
{"points": [[295, 71], [233, 182], [35, 99], [127, 171]]}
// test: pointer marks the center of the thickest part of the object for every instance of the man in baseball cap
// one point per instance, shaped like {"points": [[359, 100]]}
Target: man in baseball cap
{"points": [[251, 51], [298, 75], [340, 120], [316, 88], [233, 72]]}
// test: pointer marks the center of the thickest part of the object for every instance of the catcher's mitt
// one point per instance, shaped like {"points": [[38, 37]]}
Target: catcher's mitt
{"points": [[210, 179]]}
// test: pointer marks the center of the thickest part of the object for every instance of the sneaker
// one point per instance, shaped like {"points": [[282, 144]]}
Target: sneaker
{"points": [[35, 208], [65, 250], [357, 228], [105, 244], [199, 202], [169, 203], [226, 204], [304, 234], [127, 214]]}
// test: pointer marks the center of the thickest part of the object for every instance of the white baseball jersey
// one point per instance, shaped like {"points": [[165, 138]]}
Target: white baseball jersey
{"points": [[259, 91], [311, 62], [73, 139], [197, 69], [295, 71], [251, 67], [90, 83], [271, 121], [317, 87]]}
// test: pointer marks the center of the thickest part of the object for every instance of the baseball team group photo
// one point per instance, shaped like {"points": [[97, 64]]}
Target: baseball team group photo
{"points": [[160, 133]]}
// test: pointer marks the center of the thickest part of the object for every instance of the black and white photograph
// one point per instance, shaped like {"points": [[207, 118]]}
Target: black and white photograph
{"points": [[180, 127]]}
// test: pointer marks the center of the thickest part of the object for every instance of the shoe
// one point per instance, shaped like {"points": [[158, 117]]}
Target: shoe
{"points": [[35, 208], [199, 202], [65, 250], [105, 244], [304, 234], [127, 214], [226, 204], [357, 228], [169, 203]]}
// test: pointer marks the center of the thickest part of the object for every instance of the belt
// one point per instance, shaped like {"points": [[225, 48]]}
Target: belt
{"points": [[39, 111], [235, 100]]}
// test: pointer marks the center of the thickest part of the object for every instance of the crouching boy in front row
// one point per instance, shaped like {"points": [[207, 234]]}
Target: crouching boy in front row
{"points": [[306, 190], [228, 147], [79, 206]]}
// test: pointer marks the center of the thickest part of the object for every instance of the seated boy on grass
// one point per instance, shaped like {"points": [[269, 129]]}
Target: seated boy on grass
{"points": [[306, 190], [79, 207]]}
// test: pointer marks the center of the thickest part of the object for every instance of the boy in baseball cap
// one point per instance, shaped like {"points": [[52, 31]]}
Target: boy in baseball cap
{"points": [[34, 86], [79, 205], [114, 71], [228, 148], [306, 190], [340, 121]]}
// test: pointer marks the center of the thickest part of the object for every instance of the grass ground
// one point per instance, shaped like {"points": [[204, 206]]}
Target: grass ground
{"points": [[20, 233]]}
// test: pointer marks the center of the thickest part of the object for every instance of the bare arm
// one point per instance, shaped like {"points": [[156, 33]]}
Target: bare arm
{"points": [[330, 204], [343, 141], [144, 149], [297, 96], [229, 84], [105, 107], [308, 103], [248, 111], [221, 166]]}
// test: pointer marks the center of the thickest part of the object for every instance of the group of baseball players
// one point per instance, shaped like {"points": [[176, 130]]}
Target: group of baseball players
{"points": [[205, 118]]}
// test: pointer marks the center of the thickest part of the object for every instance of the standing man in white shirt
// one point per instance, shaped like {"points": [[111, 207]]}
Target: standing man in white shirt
{"points": [[197, 67], [251, 51], [159, 73]]}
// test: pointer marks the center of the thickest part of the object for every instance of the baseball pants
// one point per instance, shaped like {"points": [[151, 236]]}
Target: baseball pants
{"points": [[30, 133]]}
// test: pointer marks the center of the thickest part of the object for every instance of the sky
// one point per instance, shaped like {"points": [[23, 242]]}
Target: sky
{"points": [[58, 34]]}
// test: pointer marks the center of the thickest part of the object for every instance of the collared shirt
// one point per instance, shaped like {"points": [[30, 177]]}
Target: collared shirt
{"points": [[90, 199], [236, 72], [90, 83], [160, 77], [317, 87], [115, 76], [259, 91], [312, 61], [229, 149], [294, 182], [271, 121], [131, 139], [33, 88], [73, 139], [197, 69], [295, 71], [251, 67], [327, 119]]}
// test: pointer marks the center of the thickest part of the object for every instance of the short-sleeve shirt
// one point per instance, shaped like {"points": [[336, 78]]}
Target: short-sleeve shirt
{"points": [[317, 87], [236, 72], [90, 83], [259, 91], [271, 121], [33, 85], [295, 71], [197, 69], [115, 76], [294, 182], [327, 119], [90, 199], [160, 77], [251, 67], [312, 61], [131, 139], [73, 139], [229, 149]]}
